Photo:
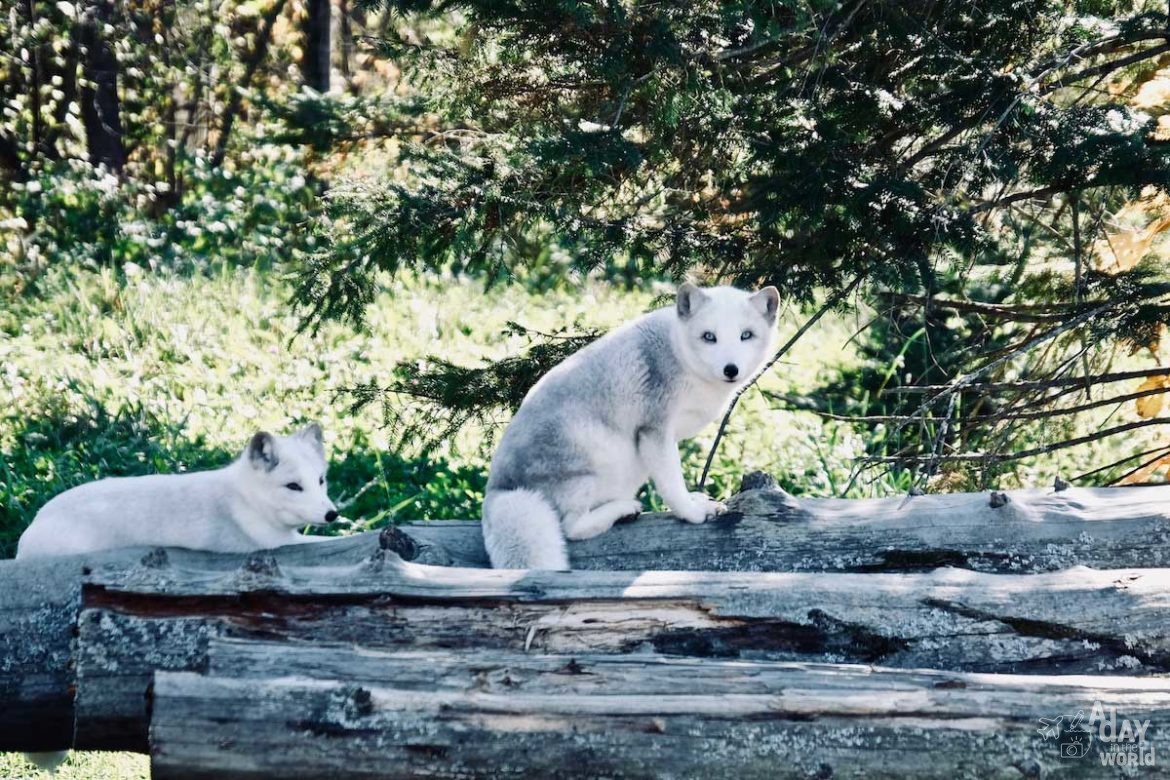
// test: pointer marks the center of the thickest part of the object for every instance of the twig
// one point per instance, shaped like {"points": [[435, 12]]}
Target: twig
{"points": [[1163, 450], [995, 417], [1106, 67], [996, 457], [967, 379], [1141, 466], [1119, 376], [1038, 313], [836, 298]]}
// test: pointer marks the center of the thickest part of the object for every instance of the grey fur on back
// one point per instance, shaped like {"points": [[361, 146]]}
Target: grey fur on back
{"points": [[623, 382]]}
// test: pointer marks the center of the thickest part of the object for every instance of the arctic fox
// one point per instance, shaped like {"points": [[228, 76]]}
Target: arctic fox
{"points": [[591, 431], [259, 501]]}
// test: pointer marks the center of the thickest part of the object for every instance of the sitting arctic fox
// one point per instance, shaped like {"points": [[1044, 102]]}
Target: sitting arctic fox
{"points": [[259, 501], [591, 430]]}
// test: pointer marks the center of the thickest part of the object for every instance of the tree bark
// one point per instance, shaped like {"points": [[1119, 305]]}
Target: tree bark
{"points": [[766, 720], [163, 617], [100, 107], [318, 37]]}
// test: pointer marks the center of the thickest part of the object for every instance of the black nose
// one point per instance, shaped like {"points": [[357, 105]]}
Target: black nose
{"points": [[730, 370], [330, 516]]}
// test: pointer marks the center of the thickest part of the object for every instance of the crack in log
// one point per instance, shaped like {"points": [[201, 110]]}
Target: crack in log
{"points": [[1045, 629], [823, 635], [276, 602], [909, 561]]}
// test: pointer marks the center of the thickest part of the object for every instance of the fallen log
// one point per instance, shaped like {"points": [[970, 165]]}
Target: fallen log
{"points": [[163, 618], [769, 530], [801, 722], [495, 671], [1034, 531], [39, 605], [38, 615]]}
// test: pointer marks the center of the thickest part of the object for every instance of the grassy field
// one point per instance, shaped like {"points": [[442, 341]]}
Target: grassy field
{"points": [[79, 766]]}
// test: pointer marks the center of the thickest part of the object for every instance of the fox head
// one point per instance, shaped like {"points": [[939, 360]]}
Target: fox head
{"points": [[726, 334], [285, 477]]}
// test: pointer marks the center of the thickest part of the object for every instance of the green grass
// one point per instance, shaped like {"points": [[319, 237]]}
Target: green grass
{"points": [[79, 766]]}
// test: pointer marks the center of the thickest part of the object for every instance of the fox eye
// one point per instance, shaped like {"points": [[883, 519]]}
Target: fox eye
{"points": [[294, 486], [321, 481], [708, 337], [747, 335]]}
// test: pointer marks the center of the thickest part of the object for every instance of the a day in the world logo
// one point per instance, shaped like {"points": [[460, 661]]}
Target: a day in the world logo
{"points": [[1104, 735]]}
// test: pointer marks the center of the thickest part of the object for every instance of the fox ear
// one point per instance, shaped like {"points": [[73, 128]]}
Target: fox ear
{"points": [[312, 434], [767, 301], [262, 451], [690, 298]]}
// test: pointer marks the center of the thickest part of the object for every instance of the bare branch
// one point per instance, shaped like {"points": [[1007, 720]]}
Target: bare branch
{"points": [[1040, 384], [1000, 457], [833, 300]]}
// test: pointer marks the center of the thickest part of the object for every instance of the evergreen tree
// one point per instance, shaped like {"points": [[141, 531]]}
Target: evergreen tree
{"points": [[953, 159]]}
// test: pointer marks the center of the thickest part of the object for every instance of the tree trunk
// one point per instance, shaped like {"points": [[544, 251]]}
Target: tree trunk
{"points": [[345, 17], [318, 37], [252, 64], [642, 717], [100, 108]]}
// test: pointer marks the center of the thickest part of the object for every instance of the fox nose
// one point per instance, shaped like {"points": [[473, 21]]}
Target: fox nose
{"points": [[731, 371], [331, 515]]}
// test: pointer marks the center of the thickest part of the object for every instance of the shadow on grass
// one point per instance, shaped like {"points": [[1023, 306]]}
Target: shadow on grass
{"points": [[71, 443]]}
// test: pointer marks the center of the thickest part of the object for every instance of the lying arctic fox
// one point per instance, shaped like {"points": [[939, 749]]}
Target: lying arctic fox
{"points": [[259, 501], [591, 430]]}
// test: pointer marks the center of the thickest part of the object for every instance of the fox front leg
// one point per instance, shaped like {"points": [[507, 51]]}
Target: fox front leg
{"points": [[659, 453]]}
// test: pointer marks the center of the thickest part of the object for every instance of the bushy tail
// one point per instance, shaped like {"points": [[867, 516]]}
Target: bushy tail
{"points": [[47, 762], [521, 530]]}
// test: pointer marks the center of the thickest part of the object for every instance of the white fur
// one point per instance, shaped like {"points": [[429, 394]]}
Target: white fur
{"points": [[244, 506], [594, 428], [47, 762], [523, 532]]}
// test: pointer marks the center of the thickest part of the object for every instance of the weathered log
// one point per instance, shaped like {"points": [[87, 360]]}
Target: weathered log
{"points": [[769, 530], [38, 613], [1034, 531], [643, 673], [800, 722], [39, 604], [162, 618]]}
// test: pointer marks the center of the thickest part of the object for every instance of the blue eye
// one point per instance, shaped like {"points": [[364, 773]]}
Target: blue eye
{"points": [[747, 335], [708, 337], [294, 486]]}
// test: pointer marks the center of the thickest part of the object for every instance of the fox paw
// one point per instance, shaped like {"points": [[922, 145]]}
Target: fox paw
{"points": [[702, 508]]}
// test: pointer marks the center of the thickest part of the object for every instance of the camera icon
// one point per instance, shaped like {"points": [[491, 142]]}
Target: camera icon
{"points": [[1075, 744]]}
